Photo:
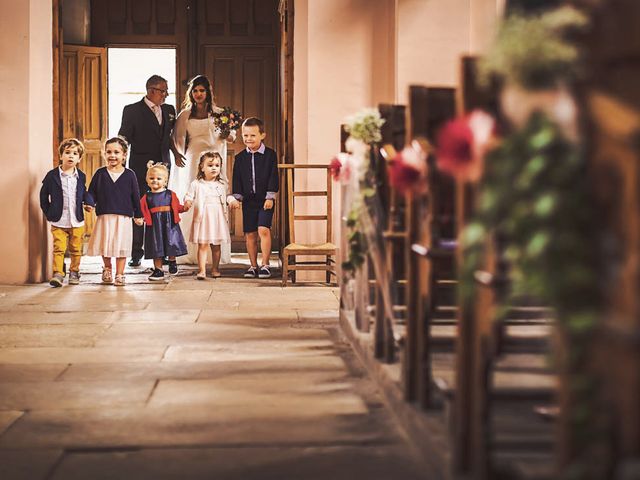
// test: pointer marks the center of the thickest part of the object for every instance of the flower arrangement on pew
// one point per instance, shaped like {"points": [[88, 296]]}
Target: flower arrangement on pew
{"points": [[354, 169], [535, 194], [407, 169], [359, 170]]}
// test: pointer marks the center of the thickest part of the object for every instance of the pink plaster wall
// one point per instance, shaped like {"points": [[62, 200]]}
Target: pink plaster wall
{"points": [[351, 54], [26, 119], [344, 60], [432, 35], [485, 15]]}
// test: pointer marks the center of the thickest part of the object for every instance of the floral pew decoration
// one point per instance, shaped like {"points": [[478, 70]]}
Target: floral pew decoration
{"points": [[534, 192], [360, 172]]}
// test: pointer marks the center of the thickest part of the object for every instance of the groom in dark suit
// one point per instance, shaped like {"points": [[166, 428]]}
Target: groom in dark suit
{"points": [[147, 126]]}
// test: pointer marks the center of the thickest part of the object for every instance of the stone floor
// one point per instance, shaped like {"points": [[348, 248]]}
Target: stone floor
{"points": [[218, 379]]}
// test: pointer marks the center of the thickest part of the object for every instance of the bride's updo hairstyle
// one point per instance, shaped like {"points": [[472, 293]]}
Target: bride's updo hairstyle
{"points": [[189, 102]]}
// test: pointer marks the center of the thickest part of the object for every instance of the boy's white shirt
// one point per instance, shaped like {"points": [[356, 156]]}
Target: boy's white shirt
{"points": [[68, 218]]}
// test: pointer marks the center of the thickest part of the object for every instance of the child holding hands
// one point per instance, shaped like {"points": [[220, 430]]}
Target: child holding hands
{"points": [[209, 227], [161, 211], [62, 196], [115, 191], [255, 184]]}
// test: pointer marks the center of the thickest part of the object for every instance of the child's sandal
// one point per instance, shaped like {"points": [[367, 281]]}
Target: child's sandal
{"points": [[201, 276], [107, 277], [119, 282]]}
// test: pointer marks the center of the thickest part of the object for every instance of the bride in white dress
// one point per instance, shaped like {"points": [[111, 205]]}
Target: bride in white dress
{"points": [[194, 134]]}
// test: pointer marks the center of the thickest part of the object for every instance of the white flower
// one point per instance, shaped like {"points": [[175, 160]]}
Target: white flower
{"points": [[365, 125]]}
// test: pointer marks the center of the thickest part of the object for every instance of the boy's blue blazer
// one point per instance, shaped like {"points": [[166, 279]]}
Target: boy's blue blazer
{"points": [[266, 174], [51, 200]]}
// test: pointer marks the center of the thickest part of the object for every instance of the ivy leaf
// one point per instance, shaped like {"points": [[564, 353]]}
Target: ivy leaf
{"points": [[473, 234], [538, 244], [542, 139], [545, 205], [581, 323]]}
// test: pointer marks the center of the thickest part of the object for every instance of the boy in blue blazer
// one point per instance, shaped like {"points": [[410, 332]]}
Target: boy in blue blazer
{"points": [[62, 197], [255, 184]]}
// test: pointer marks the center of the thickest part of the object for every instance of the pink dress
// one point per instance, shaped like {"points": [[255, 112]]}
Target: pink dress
{"points": [[209, 220]]}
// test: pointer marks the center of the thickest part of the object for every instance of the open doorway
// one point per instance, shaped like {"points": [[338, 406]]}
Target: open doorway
{"points": [[129, 69]]}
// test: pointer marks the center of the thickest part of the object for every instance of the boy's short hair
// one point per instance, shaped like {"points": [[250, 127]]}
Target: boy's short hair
{"points": [[254, 122], [71, 142]]}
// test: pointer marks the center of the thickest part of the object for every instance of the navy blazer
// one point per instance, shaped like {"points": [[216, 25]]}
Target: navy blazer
{"points": [[51, 196], [148, 139], [266, 174]]}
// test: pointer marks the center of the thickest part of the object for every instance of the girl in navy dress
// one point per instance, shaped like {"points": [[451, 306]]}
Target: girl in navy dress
{"points": [[115, 191], [161, 211]]}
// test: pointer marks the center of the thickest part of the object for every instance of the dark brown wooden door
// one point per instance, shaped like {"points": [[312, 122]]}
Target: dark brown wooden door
{"points": [[244, 78]]}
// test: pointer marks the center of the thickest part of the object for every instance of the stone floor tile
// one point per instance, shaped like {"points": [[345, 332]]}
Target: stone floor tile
{"points": [[83, 355], [71, 306], [250, 317], [156, 317], [259, 396], [129, 334], [7, 417], [17, 372], [198, 370], [54, 318], [64, 395], [21, 335], [176, 299], [371, 462], [189, 426], [249, 351], [27, 464]]}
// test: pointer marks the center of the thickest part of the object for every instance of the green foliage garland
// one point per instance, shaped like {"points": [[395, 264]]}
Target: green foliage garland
{"points": [[356, 242], [533, 51], [535, 196]]}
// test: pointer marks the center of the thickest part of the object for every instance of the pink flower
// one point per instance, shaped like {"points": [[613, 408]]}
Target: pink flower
{"points": [[462, 144], [334, 167], [340, 167], [408, 170]]}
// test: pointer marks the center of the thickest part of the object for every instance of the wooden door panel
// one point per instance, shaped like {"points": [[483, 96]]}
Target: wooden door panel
{"points": [[84, 106], [68, 87], [244, 78]]}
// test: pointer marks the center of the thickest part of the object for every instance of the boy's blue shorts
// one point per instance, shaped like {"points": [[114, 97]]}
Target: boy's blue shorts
{"points": [[254, 215]]}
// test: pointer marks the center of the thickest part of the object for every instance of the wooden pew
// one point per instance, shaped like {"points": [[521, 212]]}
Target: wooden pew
{"points": [[483, 432], [430, 222]]}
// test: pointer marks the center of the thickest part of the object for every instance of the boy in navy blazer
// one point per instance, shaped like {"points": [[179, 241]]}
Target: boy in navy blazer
{"points": [[62, 197], [255, 184]]}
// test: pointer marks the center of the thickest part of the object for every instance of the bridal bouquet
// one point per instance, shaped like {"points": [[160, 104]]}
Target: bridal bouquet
{"points": [[226, 121]]}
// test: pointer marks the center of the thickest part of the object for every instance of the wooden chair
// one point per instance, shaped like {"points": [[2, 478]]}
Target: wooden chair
{"points": [[293, 249]]}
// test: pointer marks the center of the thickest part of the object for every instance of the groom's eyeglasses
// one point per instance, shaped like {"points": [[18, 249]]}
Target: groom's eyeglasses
{"points": [[164, 92]]}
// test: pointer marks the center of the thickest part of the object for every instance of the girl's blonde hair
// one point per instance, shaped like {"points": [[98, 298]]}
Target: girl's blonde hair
{"points": [[203, 158], [122, 142], [151, 166]]}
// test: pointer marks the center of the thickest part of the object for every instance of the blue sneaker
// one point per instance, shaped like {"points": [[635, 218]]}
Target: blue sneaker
{"points": [[252, 272], [264, 272]]}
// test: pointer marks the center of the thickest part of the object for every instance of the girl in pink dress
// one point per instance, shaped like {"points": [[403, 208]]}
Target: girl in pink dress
{"points": [[115, 190], [208, 195]]}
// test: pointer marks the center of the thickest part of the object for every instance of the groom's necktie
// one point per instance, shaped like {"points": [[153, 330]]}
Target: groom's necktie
{"points": [[158, 113]]}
